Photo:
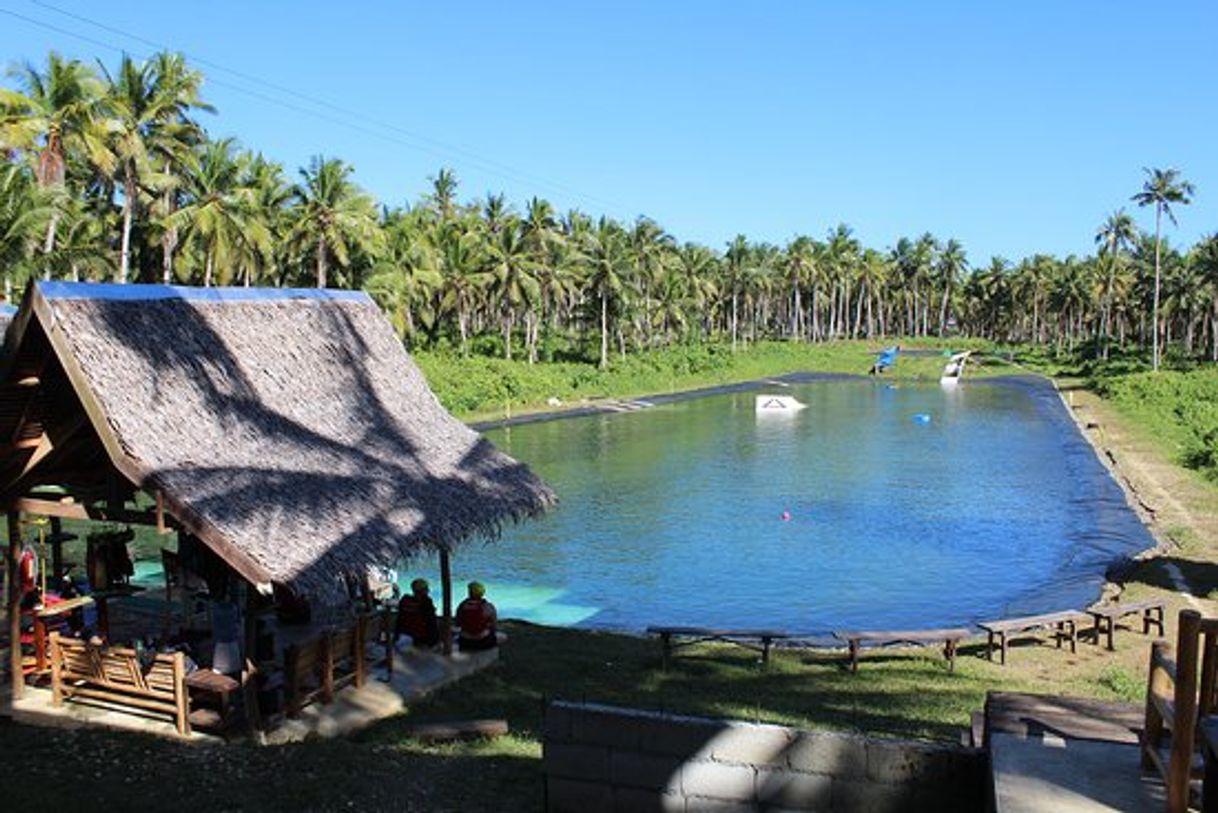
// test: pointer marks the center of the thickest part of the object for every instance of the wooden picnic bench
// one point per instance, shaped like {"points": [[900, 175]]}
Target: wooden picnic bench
{"points": [[950, 637], [1063, 624], [669, 639], [1151, 612], [119, 677]]}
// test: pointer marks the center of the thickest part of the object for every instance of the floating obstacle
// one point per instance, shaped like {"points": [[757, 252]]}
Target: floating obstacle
{"points": [[953, 371], [778, 405]]}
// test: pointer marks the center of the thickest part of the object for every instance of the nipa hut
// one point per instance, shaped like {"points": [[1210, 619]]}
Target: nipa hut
{"points": [[288, 430]]}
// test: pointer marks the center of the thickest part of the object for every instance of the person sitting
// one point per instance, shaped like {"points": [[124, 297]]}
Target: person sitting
{"points": [[417, 616], [476, 619]]}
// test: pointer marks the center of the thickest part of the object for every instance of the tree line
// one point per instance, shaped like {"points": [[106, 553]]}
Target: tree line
{"points": [[111, 176]]}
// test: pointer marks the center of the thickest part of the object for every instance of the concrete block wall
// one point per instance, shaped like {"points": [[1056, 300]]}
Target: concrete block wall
{"points": [[600, 758]]}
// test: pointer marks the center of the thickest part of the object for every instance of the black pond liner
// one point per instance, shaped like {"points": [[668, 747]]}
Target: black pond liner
{"points": [[1107, 532]]}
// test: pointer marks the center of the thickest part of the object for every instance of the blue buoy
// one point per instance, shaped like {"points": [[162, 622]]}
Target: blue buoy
{"points": [[921, 417]]}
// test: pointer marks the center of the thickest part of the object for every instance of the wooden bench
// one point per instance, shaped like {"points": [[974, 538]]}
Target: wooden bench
{"points": [[116, 676], [669, 639], [1151, 612], [1063, 624], [950, 637]]}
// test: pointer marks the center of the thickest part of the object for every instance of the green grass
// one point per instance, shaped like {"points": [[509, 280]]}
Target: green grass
{"points": [[1177, 408]]}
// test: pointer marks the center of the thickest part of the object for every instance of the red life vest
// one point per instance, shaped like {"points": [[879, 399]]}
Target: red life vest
{"points": [[476, 618], [417, 618]]}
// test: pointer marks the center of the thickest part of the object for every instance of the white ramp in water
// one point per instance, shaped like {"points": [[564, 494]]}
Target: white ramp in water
{"points": [[778, 405]]}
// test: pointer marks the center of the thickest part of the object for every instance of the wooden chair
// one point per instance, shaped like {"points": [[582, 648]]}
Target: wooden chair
{"points": [[1182, 688]]}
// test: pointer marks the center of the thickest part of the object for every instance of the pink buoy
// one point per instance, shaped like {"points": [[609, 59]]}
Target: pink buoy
{"points": [[786, 516]]}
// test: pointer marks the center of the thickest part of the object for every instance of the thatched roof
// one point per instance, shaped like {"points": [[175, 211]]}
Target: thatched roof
{"points": [[289, 430]]}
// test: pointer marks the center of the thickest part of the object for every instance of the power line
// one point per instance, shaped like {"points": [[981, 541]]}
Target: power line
{"points": [[396, 135]]}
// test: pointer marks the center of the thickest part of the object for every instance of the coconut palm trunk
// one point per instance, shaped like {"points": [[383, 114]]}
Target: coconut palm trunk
{"points": [[604, 330], [129, 195], [321, 261], [1154, 312]]}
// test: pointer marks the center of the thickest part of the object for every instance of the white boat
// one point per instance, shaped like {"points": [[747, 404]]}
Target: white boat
{"points": [[778, 404]]}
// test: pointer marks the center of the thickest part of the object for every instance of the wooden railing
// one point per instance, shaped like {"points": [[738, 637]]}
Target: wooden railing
{"points": [[1178, 694]]}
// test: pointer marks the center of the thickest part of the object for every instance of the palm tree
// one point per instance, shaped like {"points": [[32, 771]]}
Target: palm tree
{"points": [[1114, 236], [510, 278], [333, 215], [444, 194], [696, 266], [406, 272], [1162, 188], [951, 266], [220, 215], [57, 112], [608, 267], [460, 256], [24, 209], [148, 105], [1206, 259], [798, 261], [735, 259]]}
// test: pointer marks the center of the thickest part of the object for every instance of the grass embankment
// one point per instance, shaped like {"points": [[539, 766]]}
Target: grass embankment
{"points": [[483, 388]]}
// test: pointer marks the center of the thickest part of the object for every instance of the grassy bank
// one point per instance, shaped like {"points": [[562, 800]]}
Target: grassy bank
{"points": [[480, 387]]}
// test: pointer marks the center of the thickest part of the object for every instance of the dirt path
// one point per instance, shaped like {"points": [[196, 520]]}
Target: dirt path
{"points": [[1178, 506]]}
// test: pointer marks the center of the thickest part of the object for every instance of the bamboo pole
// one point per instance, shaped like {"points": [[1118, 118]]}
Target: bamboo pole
{"points": [[14, 604], [446, 587]]}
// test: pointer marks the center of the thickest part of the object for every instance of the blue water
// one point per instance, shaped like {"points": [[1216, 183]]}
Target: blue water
{"points": [[991, 505]]}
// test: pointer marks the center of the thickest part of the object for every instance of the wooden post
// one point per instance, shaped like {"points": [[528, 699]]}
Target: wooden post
{"points": [[1152, 727], [14, 603], [56, 549], [1209, 673], [249, 671], [181, 704], [160, 513], [1185, 723], [56, 671], [446, 591]]}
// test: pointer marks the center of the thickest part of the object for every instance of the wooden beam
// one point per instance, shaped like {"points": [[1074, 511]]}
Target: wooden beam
{"points": [[14, 604], [50, 508], [75, 510], [47, 442]]}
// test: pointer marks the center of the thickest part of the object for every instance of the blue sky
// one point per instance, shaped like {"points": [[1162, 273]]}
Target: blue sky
{"points": [[1014, 127]]}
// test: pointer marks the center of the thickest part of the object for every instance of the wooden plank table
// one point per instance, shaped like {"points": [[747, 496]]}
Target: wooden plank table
{"points": [[950, 637]]}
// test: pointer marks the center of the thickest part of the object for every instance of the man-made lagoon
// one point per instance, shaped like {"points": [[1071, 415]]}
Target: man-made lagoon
{"points": [[678, 514]]}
